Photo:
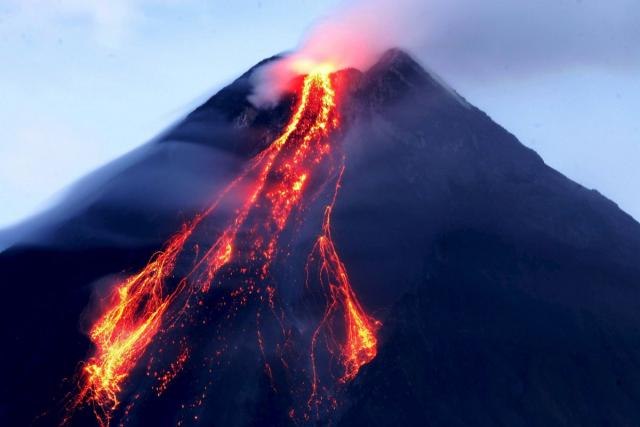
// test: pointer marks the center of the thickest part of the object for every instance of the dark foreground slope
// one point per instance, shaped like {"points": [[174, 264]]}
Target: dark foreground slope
{"points": [[509, 294]]}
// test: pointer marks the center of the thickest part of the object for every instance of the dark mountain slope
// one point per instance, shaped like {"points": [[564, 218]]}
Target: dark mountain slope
{"points": [[508, 293], [524, 297]]}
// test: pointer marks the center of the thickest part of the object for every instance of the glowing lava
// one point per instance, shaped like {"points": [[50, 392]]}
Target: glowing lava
{"points": [[125, 329], [360, 342], [147, 304]]}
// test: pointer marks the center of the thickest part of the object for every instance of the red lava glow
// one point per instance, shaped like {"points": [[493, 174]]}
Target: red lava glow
{"points": [[359, 344], [146, 304]]}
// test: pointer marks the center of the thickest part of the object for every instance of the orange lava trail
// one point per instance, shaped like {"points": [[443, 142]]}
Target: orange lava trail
{"points": [[125, 329], [286, 192], [131, 319], [138, 307], [359, 344]]}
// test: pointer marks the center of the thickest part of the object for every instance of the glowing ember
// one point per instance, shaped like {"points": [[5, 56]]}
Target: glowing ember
{"points": [[147, 304]]}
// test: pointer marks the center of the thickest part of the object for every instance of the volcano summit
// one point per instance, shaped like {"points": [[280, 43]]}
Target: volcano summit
{"points": [[372, 250]]}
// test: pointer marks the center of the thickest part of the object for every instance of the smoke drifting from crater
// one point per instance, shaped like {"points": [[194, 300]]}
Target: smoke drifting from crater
{"points": [[354, 35], [466, 39]]}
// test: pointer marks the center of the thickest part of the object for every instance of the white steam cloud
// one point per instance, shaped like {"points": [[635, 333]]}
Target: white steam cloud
{"points": [[468, 39]]}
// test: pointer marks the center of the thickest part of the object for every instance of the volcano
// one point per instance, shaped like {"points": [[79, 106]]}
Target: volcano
{"points": [[372, 250]]}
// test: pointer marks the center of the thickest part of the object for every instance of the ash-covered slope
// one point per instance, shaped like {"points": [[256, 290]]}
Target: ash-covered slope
{"points": [[508, 293]]}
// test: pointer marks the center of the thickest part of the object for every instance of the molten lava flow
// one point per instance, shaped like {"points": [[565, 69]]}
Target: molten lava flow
{"points": [[131, 319], [126, 328], [359, 343], [146, 304], [311, 121]]}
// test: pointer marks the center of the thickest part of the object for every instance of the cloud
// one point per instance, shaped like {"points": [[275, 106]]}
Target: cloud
{"points": [[469, 38], [108, 21], [505, 38]]}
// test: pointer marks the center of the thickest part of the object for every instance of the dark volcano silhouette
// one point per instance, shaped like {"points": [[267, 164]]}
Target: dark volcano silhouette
{"points": [[509, 295]]}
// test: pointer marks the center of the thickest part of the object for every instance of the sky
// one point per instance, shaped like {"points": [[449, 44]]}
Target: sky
{"points": [[86, 81]]}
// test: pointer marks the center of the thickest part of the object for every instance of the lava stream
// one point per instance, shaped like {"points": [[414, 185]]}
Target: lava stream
{"points": [[359, 344], [145, 304]]}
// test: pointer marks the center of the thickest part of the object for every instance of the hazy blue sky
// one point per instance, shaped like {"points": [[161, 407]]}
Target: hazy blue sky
{"points": [[84, 81]]}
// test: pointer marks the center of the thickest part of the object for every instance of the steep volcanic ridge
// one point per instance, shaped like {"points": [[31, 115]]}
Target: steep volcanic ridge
{"points": [[137, 323]]}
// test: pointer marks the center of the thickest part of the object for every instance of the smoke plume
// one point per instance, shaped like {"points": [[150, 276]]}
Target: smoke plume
{"points": [[466, 39]]}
